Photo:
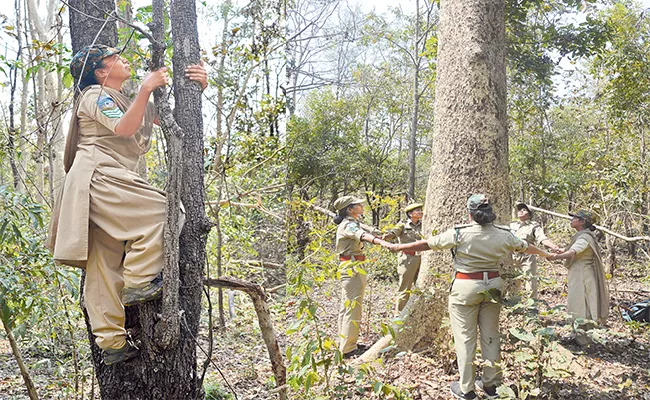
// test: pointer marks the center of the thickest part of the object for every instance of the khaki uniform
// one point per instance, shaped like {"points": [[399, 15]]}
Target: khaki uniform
{"points": [[408, 265], [531, 232], [477, 248], [353, 283], [109, 220], [588, 295]]}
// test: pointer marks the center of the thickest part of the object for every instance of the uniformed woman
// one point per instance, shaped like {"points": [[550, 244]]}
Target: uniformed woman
{"points": [[349, 246], [477, 248], [531, 232], [408, 262], [108, 220], [588, 295]]}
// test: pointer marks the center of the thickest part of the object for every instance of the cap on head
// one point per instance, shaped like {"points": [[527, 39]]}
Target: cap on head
{"points": [[587, 216], [412, 207], [477, 201], [523, 206], [343, 202], [91, 56]]}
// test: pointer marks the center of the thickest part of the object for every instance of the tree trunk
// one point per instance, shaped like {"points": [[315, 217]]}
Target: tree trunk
{"points": [[470, 144], [416, 102], [87, 22]]}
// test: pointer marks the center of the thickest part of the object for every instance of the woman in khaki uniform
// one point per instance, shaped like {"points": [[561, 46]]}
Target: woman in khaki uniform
{"points": [[588, 295], [107, 219], [349, 245], [408, 262], [478, 247], [532, 232]]}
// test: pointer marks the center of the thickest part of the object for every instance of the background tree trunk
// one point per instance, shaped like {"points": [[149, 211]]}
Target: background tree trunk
{"points": [[86, 21], [470, 144]]}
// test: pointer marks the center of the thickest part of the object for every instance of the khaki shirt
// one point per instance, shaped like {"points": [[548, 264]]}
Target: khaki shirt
{"points": [[101, 151], [348, 238], [406, 232], [478, 247], [530, 231], [583, 250]]}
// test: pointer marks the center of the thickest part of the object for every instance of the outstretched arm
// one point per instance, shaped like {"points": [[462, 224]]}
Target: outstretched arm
{"points": [[367, 237], [420, 245], [562, 256], [532, 249]]}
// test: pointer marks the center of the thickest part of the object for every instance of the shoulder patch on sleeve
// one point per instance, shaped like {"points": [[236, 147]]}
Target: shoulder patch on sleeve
{"points": [[353, 227], [108, 107]]}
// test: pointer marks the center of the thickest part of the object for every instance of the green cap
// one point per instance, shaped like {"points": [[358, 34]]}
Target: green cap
{"points": [[413, 206], [345, 201], [587, 216], [477, 201], [91, 56]]}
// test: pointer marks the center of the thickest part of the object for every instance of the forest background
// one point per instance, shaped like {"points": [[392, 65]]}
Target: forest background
{"points": [[324, 99]]}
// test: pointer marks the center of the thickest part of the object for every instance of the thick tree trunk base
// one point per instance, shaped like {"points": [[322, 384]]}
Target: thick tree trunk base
{"points": [[425, 327]]}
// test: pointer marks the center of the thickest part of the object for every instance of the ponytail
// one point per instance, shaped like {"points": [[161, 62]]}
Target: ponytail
{"points": [[343, 212], [484, 215]]}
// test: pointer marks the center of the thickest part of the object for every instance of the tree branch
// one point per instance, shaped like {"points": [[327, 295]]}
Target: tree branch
{"points": [[168, 329], [600, 228], [258, 263], [256, 292]]}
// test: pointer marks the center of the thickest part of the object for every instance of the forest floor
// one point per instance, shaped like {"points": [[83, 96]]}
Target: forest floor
{"points": [[239, 363], [617, 367]]}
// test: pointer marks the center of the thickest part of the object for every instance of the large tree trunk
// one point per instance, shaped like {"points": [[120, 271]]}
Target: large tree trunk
{"points": [[470, 144]]}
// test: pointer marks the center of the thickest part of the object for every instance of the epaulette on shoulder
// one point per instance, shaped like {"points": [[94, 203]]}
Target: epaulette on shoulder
{"points": [[505, 228], [461, 226]]}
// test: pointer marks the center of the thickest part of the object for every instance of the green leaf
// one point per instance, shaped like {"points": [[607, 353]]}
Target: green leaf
{"points": [[68, 80], [521, 334]]}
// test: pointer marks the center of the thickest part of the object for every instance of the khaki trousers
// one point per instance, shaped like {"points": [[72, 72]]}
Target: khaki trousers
{"points": [[469, 309], [352, 290], [526, 263], [125, 249], [408, 268]]}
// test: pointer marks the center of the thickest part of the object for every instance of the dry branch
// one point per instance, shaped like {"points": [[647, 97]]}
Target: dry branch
{"points": [[257, 294], [258, 263], [600, 228], [29, 384], [367, 228]]}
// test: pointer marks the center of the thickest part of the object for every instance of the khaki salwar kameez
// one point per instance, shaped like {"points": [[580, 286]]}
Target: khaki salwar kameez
{"points": [[588, 295], [107, 220]]}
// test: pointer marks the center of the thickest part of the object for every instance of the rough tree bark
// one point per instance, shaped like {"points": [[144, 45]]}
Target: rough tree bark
{"points": [[470, 145], [86, 21]]}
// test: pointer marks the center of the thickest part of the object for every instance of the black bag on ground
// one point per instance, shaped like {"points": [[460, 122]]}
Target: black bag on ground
{"points": [[637, 312]]}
